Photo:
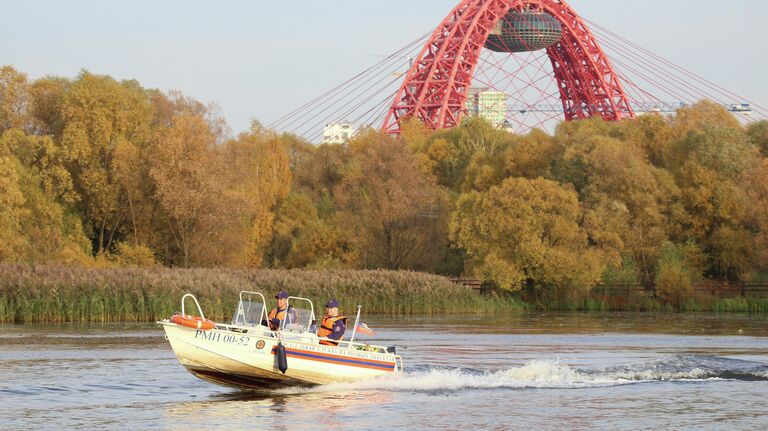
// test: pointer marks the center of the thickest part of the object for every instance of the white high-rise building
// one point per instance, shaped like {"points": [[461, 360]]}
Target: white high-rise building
{"points": [[488, 104], [338, 133]]}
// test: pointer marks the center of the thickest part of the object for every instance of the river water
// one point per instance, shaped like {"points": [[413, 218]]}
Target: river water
{"points": [[543, 371]]}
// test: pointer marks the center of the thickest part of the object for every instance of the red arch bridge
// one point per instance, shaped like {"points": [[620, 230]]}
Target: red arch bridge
{"points": [[520, 64]]}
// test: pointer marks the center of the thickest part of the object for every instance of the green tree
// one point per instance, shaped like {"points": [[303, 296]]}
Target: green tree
{"points": [[676, 272]]}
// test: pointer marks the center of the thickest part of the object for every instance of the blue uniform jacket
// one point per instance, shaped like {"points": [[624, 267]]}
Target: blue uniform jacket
{"points": [[339, 327]]}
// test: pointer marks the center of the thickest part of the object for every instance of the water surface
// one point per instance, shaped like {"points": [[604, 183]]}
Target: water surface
{"points": [[542, 371]]}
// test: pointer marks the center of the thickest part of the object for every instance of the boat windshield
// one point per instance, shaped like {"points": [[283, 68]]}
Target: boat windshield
{"points": [[250, 309], [304, 316]]}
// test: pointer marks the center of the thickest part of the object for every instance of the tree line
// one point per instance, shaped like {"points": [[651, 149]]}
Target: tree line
{"points": [[100, 172]]}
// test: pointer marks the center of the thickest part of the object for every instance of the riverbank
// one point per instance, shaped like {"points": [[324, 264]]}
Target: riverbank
{"points": [[599, 301], [52, 294], [34, 293]]}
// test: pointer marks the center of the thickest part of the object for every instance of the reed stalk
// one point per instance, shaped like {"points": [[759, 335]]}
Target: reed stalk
{"points": [[49, 293]]}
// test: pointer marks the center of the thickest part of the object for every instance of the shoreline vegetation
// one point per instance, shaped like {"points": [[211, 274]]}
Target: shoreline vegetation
{"points": [[59, 294], [107, 175], [54, 294]]}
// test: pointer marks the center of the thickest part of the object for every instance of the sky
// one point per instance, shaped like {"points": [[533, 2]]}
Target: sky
{"points": [[260, 59]]}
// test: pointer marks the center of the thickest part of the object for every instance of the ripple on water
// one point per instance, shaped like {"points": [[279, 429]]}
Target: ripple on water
{"points": [[461, 375]]}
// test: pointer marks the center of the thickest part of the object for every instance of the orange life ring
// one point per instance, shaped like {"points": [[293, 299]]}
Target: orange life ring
{"points": [[193, 322]]}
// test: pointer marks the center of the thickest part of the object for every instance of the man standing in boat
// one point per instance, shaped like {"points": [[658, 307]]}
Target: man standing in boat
{"points": [[281, 312], [333, 325]]}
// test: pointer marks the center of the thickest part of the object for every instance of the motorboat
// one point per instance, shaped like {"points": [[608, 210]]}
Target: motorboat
{"points": [[247, 354]]}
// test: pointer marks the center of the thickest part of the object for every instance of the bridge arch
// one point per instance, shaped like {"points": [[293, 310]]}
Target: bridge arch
{"points": [[436, 87]]}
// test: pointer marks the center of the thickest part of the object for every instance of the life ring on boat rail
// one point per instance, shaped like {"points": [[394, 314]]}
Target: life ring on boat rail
{"points": [[193, 322]]}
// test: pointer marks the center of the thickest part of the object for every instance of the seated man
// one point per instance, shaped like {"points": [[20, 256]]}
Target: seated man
{"points": [[281, 312], [333, 325]]}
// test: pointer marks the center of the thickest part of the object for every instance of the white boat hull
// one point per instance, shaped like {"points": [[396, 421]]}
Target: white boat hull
{"points": [[248, 360]]}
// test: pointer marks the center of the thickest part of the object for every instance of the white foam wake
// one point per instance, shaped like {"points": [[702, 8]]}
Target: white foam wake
{"points": [[556, 375], [535, 374]]}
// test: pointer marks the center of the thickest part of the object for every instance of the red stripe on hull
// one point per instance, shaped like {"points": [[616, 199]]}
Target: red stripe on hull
{"points": [[339, 360]]}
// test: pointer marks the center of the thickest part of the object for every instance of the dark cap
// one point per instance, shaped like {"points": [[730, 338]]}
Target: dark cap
{"points": [[281, 294], [332, 304]]}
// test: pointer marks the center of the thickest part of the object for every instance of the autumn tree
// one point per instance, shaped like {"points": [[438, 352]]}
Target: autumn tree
{"points": [[12, 201], [710, 152], [47, 96], [14, 99], [755, 184], [302, 238], [630, 205], [526, 231], [758, 136], [397, 211], [532, 155], [34, 226], [258, 166], [185, 170], [100, 114]]}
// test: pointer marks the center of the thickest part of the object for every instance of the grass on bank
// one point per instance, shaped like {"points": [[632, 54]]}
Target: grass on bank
{"points": [[52, 294], [607, 298], [637, 303]]}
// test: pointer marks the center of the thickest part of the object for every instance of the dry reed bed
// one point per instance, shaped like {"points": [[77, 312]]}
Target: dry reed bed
{"points": [[35, 293]]}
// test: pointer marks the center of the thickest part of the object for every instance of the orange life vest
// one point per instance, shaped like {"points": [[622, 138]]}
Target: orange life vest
{"points": [[275, 313], [326, 329]]}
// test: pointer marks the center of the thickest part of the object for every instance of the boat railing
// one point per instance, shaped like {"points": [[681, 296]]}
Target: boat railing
{"points": [[199, 309]]}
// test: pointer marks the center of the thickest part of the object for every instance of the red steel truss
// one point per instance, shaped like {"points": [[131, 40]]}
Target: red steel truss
{"points": [[436, 87]]}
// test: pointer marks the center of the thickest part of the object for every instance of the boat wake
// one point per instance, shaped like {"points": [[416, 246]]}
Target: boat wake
{"points": [[558, 375]]}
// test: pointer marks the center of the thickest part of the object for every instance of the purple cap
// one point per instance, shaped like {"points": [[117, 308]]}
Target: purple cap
{"points": [[332, 304], [281, 294]]}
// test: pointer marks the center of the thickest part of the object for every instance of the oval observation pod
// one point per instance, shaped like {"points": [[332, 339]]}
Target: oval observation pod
{"points": [[524, 31]]}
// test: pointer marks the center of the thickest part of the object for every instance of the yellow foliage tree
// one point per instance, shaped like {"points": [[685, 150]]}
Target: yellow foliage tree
{"points": [[526, 231], [100, 113], [15, 99], [391, 205], [33, 226], [628, 201], [259, 171], [185, 170], [532, 155]]}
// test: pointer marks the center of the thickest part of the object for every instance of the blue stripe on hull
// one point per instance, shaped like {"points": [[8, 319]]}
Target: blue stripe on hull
{"points": [[338, 359]]}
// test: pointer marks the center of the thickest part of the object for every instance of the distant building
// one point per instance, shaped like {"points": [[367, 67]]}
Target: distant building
{"points": [[508, 127], [338, 133], [488, 104]]}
